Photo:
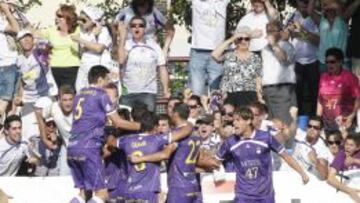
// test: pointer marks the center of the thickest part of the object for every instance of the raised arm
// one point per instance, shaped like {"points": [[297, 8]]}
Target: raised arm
{"points": [[181, 133], [351, 9], [123, 124], [121, 39], [13, 26], [271, 10], [155, 157], [170, 33], [219, 51], [165, 80], [312, 12]]}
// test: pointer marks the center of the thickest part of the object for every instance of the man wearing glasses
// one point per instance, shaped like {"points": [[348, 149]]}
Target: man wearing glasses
{"points": [[310, 150]]}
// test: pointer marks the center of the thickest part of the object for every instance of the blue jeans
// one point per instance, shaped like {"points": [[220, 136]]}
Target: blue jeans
{"points": [[203, 67], [146, 98], [8, 76]]}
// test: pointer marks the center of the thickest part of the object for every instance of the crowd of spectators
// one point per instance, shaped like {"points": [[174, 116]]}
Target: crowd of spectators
{"points": [[298, 77]]}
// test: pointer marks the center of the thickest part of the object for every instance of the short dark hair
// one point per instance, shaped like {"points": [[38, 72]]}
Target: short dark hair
{"points": [[355, 137], [164, 117], [138, 18], [10, 119], [97, 72], [317, 118], [335, 133], [136, 3], [137, 111], [195, 98], [259, 106], [182, 109], [66, 89], [148, 121], [124, 113], [274, 25], [245, 113], [335, 52]]}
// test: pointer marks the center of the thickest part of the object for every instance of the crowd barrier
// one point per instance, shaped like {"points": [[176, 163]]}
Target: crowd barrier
{"points": [[288, 188]]}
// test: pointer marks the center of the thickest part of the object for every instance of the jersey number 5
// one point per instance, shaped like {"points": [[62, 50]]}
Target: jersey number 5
{"points": [[79, 110], [194, 151]]}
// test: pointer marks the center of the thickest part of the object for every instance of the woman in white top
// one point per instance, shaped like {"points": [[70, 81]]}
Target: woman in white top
{"points": [[94, 41]]}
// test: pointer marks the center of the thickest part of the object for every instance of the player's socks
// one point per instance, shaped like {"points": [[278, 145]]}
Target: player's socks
{"points": [[96, 199], [77, 199]]}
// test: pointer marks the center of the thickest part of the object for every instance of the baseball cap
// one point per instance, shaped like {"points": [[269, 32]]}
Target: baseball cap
{"points": [[95, 14], [23, 33], [205, 119]]}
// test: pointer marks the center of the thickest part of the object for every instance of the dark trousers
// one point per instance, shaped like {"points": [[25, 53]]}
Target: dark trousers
{"points": [[307, 87], [242, 98], [65, 75]]}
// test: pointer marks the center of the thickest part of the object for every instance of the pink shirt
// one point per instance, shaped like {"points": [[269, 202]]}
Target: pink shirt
{"points": [[337, 94]]}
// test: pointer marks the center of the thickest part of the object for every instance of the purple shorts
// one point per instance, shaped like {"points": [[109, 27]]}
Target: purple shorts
{"points": [[242, 199], [143, 197], [87, 168], [183, 195]]}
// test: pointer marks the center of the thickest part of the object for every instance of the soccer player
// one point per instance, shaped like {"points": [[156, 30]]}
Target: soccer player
{"points": [[143, 183], [91, 108], [252, 158]]}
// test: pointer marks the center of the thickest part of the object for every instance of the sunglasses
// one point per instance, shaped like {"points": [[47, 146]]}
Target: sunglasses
{"points": [[83, 20], [137, 25], [330, 62], [240, 39], [337, 142], [59, 15], [314, 126], [193, 106], [230, 114]]}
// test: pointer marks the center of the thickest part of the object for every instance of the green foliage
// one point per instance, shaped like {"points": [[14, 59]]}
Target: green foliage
{"points": [[26, 5], [179, 76]]}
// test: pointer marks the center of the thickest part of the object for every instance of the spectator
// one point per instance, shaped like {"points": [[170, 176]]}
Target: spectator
{"points": [[311, 151], [339, 93], [48, 164], [332, 26], [353, 40], [62, 113], [260, 114], [12, 149], [154, 20], [210, 141], [164, 124], [334, 142], [8, 25], [278, 74], [305, 38], [241, 79], [345, 160], [194, 104], [94, 40], [64, 59], [261, 14], [141, 59], [170, 105], [208, 32]]}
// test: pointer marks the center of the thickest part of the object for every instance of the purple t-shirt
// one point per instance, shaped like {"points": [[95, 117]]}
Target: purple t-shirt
{"points": [[115, 170], [143, 177], [181, 171], [91, 106], [252, 160], [339, 162]]}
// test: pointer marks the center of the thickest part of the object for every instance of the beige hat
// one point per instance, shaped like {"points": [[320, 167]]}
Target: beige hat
{"points": [[95, 14], [243, 29]]}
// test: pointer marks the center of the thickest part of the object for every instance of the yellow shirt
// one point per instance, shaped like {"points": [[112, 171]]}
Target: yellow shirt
{"points": [[65, 52]]}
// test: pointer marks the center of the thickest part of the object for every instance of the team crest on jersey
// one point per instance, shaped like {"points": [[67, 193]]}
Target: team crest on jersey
{"points": [[258, 150], [247, 146], [108, 107]]}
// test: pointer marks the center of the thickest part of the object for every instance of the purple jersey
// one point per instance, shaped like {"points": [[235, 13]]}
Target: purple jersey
{"points": [[181, 171], [91, 106], [339, 162], [252, 159], [115, 170], [143, 177]]}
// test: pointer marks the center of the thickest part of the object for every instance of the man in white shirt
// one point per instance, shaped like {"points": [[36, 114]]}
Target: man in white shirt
{"points": [[61, 112], [278, 74], [208, 31], [12, 149], [310, 150], [8, 25], [141, 61], [261, 14], [305, 39]]}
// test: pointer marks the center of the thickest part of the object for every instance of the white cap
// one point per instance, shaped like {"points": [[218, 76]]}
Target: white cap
{"points": [[22, 34], [94, 13]]}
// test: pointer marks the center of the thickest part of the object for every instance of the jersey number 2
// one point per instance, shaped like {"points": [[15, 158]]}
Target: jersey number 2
{"points": [[191, 158]]}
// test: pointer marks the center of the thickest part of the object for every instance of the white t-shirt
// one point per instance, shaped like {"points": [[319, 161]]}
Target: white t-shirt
{"points": [[11, 156], [275, 72], [303, 148], [154, 21], [256, 21], [52, 109], [208, 23], [305, 52], [34, 78], [140, 71], [7, 56]]}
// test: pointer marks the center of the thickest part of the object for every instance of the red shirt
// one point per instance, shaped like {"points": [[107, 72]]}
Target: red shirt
{"points": [[337, 94]]}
